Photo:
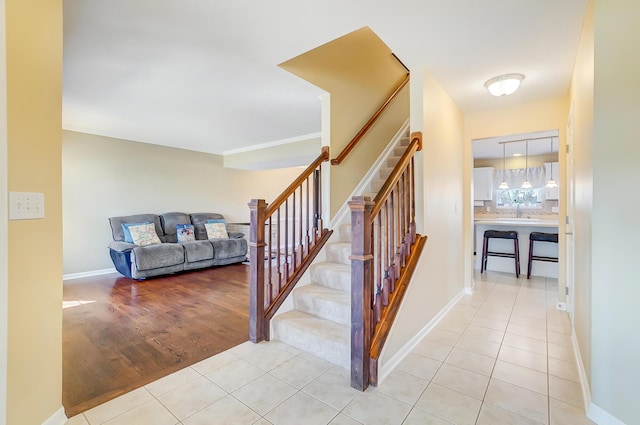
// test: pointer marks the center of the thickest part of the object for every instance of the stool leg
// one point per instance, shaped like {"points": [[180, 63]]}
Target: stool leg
{"points": [[530, 259], [483, 260], [517, 251]]}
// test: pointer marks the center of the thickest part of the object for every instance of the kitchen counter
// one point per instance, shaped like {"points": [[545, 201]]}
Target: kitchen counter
{"points": [[524, 226], [529, 222]]}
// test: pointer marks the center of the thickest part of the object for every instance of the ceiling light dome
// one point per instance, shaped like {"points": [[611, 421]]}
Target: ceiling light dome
{"points": [[504, 85]]}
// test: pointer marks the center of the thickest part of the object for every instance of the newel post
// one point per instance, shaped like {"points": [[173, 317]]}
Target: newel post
{"points": [[361, 290], [257, 329]]}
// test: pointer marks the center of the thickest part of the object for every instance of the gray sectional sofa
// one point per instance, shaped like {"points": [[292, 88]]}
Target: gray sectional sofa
{"points": [[171, 256]]}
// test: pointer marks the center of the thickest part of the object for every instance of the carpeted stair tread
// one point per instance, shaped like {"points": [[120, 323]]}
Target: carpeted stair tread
{"points": [[326, 303], [332, 275]]}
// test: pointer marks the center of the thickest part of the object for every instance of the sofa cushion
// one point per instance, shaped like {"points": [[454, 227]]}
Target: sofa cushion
{"points": [[159, 255], [228, 248], [169, 221], [199, 219], [144, 234], [197, 251], [117, 222]]}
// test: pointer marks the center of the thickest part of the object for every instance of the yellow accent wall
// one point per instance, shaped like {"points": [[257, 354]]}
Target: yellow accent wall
{"points": [[34, 114], [438, 277], [359, 72]]}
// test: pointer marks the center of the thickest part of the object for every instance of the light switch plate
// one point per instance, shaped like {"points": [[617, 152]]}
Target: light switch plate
{"points": [[26, 205]]}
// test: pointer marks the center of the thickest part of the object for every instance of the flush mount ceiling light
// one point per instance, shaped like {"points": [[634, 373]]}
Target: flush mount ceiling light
{"points": [[504, 85]]}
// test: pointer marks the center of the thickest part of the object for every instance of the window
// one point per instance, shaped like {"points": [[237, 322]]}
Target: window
{"points": [[525, 198]]}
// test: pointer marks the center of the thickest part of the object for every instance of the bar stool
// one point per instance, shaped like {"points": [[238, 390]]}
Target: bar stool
{"points": [[540, 237], [500, 234]]}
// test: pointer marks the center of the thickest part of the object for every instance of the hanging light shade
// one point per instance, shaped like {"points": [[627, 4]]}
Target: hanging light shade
{"points": [[504, 85], [551, 183], [503, 185], [526, 184]]}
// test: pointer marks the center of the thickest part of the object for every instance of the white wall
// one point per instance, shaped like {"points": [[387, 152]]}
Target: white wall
{"points": [[615, 361], [439, 276], [105, 177]]}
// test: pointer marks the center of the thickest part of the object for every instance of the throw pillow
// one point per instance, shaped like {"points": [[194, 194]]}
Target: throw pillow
{"points": [[127, 233], [217, 220], [185, 232], [144, 234], [216, 231]]}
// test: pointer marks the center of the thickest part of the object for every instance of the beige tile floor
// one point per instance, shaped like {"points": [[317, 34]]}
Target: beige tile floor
{"points": [[501, 356]]}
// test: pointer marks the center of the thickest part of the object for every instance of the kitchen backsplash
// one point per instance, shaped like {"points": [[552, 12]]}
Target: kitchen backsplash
{"points": [[549, 210]]}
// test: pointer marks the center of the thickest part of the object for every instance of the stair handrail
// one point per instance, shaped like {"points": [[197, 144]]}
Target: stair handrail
{"points": [[302, 243], [374, 118], [384, 254]]}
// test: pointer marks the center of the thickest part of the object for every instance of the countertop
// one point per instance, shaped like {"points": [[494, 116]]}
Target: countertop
{"points": [[524, 222]]}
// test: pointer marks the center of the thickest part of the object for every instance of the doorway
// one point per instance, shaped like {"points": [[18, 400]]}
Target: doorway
{"points": [[501, 197]]}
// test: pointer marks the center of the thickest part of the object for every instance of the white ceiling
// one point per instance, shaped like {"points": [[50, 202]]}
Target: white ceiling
{"points": [[203, 75]]}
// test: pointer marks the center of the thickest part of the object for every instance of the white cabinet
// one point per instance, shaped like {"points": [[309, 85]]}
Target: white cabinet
{"points": [[551, 169], [483, 184]]}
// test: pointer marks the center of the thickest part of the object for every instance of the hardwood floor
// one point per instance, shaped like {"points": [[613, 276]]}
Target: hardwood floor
{"points": [[120, 334]]}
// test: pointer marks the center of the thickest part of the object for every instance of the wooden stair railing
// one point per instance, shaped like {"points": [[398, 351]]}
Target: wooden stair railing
{"points": [[384, 253], [352, 144], [284, 239]]}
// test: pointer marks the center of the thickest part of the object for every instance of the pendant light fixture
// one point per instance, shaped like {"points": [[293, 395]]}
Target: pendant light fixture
{"points": [[503, 185], [526, 184], [551, 183]]}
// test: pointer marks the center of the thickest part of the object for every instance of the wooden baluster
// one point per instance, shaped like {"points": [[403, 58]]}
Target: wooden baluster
{"points": [[397, 261], [413, 201], [308, 218], [361, 276], [257, 328], [392, 240], [402, 205], [286, 240], [301, 242], [269, 295], [277, 251], [293, 233], [377, 281], [408, 238], [387, 260]]}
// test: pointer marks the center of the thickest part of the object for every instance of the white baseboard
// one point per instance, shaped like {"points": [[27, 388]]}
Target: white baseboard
{"points": [[601, 416], [58, 418], [394, 361], [90, 273], [586, 390]]}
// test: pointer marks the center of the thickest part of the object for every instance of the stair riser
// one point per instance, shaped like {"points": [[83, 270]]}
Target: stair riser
{"points": [[326, 347], [338, 252], [325, 308], [344, 231], [331, 278]]}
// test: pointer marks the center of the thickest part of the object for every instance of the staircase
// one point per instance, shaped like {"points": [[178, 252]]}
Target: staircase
{"points": [[320, 322]]}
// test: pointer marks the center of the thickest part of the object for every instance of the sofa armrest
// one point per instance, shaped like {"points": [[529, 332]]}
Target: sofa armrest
{"points": [[121, 246], [236, 235]]}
